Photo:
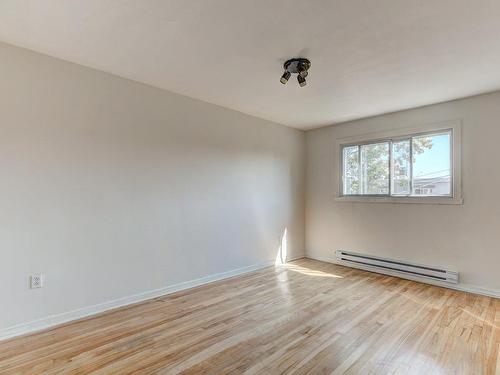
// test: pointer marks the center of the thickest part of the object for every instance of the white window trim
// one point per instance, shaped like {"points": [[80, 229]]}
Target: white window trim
{"points": [[455, 126]]}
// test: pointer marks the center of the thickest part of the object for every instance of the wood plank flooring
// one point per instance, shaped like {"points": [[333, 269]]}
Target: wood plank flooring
{"points": [[306, 317]]}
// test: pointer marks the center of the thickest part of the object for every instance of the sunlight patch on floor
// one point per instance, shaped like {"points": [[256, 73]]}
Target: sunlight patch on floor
{"points": [[311, 272]]}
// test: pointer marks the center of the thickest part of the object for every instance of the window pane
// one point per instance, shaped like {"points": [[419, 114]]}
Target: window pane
{"points": [[351, 170], [401, 167], [431, 165], [375, 168]]}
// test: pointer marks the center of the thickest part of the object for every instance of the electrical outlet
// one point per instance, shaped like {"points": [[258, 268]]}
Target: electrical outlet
{"points": [[36, 281]]}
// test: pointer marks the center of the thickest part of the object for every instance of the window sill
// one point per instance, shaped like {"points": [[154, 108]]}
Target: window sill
{"points": [[411, 200]]}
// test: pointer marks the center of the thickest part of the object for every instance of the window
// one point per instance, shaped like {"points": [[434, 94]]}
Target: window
{"points": [[418, 165]]}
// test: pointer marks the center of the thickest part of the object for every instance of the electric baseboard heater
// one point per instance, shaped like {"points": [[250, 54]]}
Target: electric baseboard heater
{"points": [[378, 264]]}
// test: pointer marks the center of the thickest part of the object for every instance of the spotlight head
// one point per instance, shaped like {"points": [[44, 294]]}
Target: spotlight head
{"points": [[285, 77], [302, 80], [302, 69]]}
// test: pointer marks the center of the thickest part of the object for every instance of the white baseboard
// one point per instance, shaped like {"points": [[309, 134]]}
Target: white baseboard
{"points": [[460, 286], [58, 319]]}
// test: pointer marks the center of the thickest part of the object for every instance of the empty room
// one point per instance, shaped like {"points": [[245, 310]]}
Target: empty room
{"points": [[249, 187]]}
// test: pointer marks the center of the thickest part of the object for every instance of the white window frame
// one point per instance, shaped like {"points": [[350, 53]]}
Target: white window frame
{"points": [[454, 127]]}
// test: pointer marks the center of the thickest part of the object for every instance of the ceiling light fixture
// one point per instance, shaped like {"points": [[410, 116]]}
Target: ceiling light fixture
{"points": [[297, 65]]}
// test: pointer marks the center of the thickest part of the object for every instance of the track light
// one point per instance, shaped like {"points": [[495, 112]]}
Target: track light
{"points": [[285, 77], [299, 66], [302, 80]]}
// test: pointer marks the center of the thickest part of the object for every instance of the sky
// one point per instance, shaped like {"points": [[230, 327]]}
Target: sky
{"points": [[436, 161]]}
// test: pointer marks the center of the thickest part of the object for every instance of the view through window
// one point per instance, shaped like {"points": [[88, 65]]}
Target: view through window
{"points": [[418, 165]]}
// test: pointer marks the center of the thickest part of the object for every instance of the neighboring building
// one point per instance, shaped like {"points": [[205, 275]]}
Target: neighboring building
{"points": [[432, 186]]}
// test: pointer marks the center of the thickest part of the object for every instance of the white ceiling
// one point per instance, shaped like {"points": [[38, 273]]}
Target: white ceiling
{"points": [[368, 57]]}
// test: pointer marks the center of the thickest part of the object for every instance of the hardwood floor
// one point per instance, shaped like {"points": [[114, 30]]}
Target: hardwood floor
{"points": [[307, 317]]}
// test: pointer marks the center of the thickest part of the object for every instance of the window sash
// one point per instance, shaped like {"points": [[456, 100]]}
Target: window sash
{"points": [[391, 141]]}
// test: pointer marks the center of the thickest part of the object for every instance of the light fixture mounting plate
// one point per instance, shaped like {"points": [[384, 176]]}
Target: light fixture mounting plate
{"points": [[296, 65]]}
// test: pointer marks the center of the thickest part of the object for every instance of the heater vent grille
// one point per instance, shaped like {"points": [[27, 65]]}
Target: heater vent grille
{"points": [[378, 264]]}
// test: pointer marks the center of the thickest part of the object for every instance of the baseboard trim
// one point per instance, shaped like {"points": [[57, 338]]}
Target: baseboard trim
{"points": [[460, 286], [85, 312]]}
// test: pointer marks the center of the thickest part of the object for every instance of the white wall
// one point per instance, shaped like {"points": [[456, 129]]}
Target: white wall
{"points": [[466, 236], [112, 188]]}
